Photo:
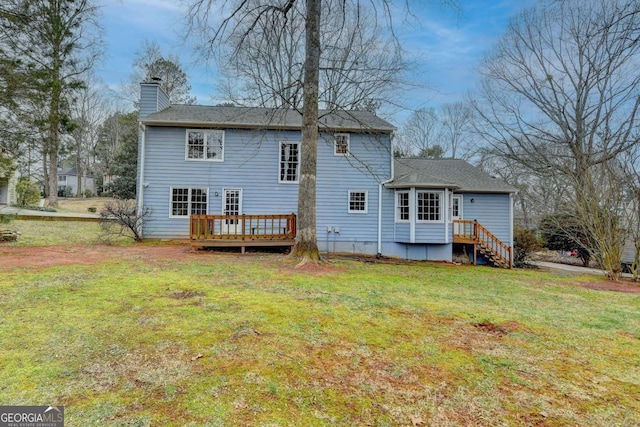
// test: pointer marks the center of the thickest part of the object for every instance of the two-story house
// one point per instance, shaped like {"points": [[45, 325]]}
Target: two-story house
{"points": [[68, 182], [221, 174]]}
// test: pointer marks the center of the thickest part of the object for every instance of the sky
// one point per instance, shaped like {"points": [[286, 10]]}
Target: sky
{"points": [[445, 44]]}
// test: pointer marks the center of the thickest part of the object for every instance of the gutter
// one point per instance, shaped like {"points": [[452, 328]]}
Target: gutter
{"points": [[260, 126], [380, 186]]}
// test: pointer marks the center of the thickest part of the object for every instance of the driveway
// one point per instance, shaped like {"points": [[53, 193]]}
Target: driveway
{"points": [[573, 268]]}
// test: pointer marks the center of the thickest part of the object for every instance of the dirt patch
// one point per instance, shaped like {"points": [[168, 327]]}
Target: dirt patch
{"points": [[185, 294], [626, 286], [499, 329], [48, 256]]}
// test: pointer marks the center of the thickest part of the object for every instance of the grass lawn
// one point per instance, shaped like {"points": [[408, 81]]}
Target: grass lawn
{"points": [[220, 339]]}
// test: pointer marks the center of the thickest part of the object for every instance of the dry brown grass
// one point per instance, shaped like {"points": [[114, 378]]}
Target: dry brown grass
{"points": [[81, 205]]}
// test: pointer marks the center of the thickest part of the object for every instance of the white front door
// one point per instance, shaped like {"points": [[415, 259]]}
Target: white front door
{"points": [[232, 205]]}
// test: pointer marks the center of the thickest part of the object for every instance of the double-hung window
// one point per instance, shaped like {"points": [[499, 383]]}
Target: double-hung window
{"points": [[429, 206], [341, 144], [187, 201], [289, 162], [205, 144], [357, 201], [402, 206]]}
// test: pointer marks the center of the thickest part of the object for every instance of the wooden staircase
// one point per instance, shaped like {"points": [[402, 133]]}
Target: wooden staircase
{"points": [[483, 241]]}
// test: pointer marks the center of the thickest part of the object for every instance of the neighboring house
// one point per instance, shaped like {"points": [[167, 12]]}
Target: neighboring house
{"points": [[223, 174], [8, 195], [68, 181]]}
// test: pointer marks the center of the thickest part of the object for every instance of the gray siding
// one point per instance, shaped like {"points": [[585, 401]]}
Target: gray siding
{"points": [[628, 251], [490, 210], [418, 251], [152, 99], [72, 182], [251, 164], [402, 232], [367, 165], [431, 233]]}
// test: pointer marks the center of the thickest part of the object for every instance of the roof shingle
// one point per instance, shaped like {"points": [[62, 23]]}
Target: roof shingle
{"points": [[445, 173], [264, 118]]}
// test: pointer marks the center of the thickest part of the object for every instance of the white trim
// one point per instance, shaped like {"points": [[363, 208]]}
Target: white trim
{"points": [[445, 212], [335, 144], [395, 206], [228, 225], [189, 188], [224, 199], [460, 209], [412, 215], [366, 202], [280, 181], [204, 132], [442, 203]]}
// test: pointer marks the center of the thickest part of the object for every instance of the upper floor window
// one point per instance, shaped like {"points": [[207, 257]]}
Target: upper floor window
{"points": [[289, 162], [187, 201], [341, 144], [205, 144], [429, 206], [402, 206], [62, 178], [357, 201]]}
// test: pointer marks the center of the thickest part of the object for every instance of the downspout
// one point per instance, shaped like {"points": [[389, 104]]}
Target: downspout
{"points": [[380, 186], [447, 225], [141, 183]]}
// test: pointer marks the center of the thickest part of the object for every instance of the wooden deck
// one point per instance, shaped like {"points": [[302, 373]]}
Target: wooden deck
{"points": [[483, 241], [242, 231]]}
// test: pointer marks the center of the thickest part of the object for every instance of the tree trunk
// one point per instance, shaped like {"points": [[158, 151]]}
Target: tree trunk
{"points": [[306, 246], [45, 173], [78, 168], [53, 178]]}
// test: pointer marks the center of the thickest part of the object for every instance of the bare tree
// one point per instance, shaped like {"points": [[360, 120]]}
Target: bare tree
{"points": [[360, 61], [456, 129], [263, 65], [560, 95], [121, 218], [150, 62], [537, 196], [89, 111], [422, 130]]}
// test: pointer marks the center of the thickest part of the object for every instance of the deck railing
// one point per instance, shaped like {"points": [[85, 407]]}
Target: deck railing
{"points": [[243, 227], [471, 231]]}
